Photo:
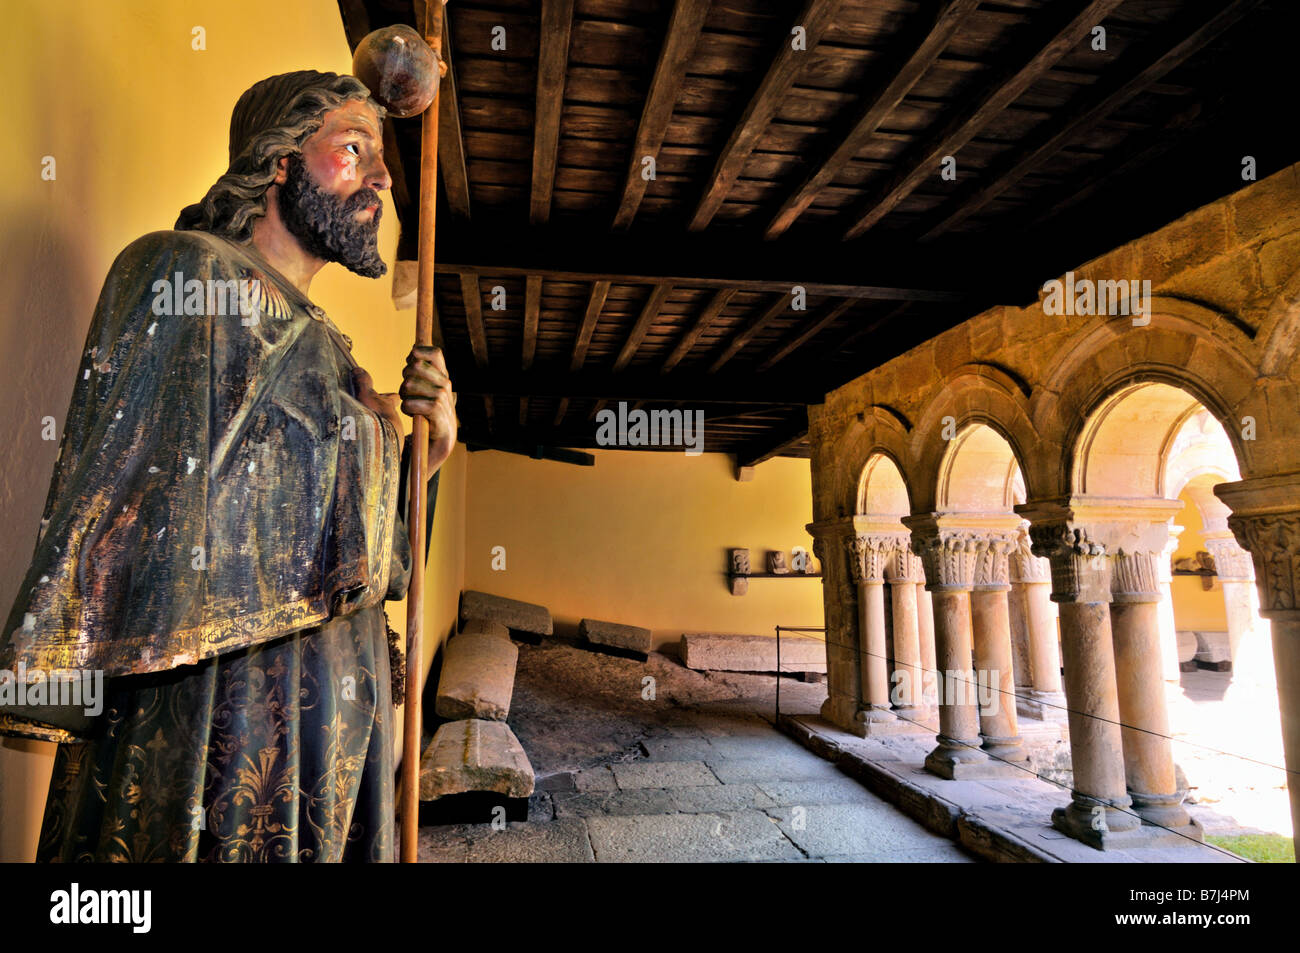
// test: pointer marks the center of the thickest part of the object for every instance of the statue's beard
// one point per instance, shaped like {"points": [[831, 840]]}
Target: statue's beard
{"points": [[327, 226]]}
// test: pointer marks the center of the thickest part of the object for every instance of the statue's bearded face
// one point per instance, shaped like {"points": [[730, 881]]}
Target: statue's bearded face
{"points": [[329, 200]]}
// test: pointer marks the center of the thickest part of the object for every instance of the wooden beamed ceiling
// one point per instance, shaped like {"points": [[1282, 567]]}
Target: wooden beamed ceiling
{"points": [[735, 206]]}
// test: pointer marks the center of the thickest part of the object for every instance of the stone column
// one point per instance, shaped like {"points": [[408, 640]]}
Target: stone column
{"points": [[991, 626], [949, 551], [1031, 580], [871, 551], [906, 693], [1250, 666], [1140, 532], [840, 599], [1100, 810], [925, 634], [1266, 522], [1168, 627]]}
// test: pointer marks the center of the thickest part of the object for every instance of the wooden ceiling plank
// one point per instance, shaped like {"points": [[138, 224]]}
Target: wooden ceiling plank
{"points": [[1113, 95], [532, 316], [742, 336], [654, 304], [556, 28], [469, 290], [815, 17], [814, 288], [923, 163], [947, 21], [684, 28], [773, 444], [451, 138], [721, 298], [827, 318], [599, 291]]}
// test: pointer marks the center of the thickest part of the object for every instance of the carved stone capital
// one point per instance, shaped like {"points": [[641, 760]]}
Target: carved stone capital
{"points": [[961, 550], [905, 566], [1024, 565], [1135, 577], [1231, 562], [992, 569], [1077, 534], [1266, 521], [870, 553]]}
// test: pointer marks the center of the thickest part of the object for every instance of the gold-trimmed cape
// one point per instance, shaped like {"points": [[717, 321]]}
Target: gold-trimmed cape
{"points": [[215, 487]]}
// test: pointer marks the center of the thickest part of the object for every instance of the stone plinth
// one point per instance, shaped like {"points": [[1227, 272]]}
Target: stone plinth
{"points": [[475, 755], [513, 614], [708, 651], [478, 677], [615, 635]]}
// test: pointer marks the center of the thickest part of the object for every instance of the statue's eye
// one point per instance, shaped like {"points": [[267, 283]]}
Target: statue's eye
{"points": [[352, 147]]}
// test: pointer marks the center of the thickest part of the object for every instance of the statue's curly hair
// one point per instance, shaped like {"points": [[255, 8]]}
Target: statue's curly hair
{"points": [[272, 119]]}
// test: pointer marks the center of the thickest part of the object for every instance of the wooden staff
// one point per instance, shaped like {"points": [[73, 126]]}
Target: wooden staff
{"points": [[424, 325]]}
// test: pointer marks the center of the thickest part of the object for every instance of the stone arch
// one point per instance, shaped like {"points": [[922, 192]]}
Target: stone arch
{"points": [[882, 488], [1186, 346], [979, 472], [974, 394], [877, 430]]}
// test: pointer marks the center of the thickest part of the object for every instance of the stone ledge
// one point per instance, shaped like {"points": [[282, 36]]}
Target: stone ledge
{"points": [[978, 814]]}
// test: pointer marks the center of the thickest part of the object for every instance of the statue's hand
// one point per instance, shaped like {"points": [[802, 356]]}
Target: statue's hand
{"points": [[426, 391], [385, 405]]}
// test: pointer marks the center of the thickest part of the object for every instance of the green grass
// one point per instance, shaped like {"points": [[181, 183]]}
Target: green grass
{"points": [[1261, 848]]}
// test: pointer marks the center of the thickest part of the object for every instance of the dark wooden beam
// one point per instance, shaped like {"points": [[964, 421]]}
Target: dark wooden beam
{"points": [[946, 22], [1111, 94], [552, 67], [683, 31], [560, 410], [773, 445], [828, 317], [923, 162], [451, 140], [738, 389], [721, 298], [647, 317], [356, 21], [523, 411], [536, 451], [599, 289], [493, 247], [474, 318], [742, 336], [532, 316], [815, 17]]}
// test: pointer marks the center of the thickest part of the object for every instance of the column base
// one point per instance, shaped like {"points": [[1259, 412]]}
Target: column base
{"points": [[841, 711], [958, 759], [1005, 749], [881, 722], [1162, 810], [1043, 706], [1109, 828]]}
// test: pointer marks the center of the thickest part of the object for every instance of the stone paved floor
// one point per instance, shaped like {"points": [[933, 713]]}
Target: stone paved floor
{"points": [[710, 785]]}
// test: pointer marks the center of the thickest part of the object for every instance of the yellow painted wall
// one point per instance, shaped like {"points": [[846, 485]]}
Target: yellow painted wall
{"points": [[1196, 609], [137, 122], [640, 538]]}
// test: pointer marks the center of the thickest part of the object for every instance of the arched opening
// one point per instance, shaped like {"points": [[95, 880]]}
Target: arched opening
{"points": [[1152, 453]]}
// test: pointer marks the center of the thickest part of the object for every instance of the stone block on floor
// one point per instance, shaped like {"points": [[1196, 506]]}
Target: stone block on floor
{"points": [[709, 651], [513, 614], [478, 677], [622, 639], [475, 755]]}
